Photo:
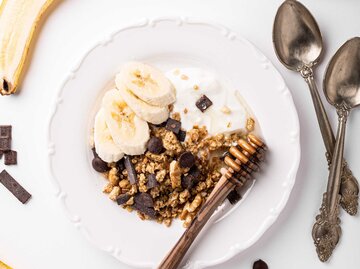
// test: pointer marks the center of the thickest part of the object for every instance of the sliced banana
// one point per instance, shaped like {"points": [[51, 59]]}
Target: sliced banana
{"points": [[128, 131], [147, 83], [105, 146], [149, 113]]}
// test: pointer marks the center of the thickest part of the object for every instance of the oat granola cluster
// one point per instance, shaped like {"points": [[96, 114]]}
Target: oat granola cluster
{"points": [[174, 182]]}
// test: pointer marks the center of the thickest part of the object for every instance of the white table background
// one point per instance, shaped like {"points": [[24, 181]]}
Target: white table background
{"points": [[39, 236]]}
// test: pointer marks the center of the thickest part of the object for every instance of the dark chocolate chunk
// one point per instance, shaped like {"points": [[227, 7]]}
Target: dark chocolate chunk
{"points": [[99, 165], [120, 165], [10, 157], [5, 131], [194, 171], [234, 197], [95, 153], [5, 143], [188, 181], [155, 145], [191, 179], [144, 198], [186, 160], [1, 153], [145, 210], [123, 198], [130, 170], [173, 125], [14, 187], [152, 182], [203, 103], [260, 264], [181, 136]]}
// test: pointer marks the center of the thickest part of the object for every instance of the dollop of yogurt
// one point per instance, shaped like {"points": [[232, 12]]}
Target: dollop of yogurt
{"points": [[229, 111]]}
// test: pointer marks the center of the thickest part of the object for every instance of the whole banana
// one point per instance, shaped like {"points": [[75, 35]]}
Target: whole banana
{"points": [[18, 22]]}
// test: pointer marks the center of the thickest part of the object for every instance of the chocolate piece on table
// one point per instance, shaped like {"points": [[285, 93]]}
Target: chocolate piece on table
{"points": [[149, 211], [152, 182], [181, 136], [260, 264], [123, 198], [186, 160], [99, 165], [144, 198], [155, 145], [5, 143], [173, 125], [14, 187], [194, 171], [130, 170], [5, 131], [10, 157], [203, 103]]}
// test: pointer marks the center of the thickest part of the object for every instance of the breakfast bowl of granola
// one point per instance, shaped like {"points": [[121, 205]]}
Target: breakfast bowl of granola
{"points": [[140, 129]]}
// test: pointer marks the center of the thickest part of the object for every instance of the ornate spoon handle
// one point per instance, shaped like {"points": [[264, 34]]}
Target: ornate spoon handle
{"points": [[326, 231], [349, 186]]}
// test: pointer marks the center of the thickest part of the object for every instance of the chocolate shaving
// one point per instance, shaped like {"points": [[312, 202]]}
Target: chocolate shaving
{"points": [[203, 103], [145, 210], [152, 182], [144, 198], [155, 145], [130, 169], [14, 187], [10, 157], [123, 198], [186, 160], [181, 136], [173, 125], [99, 165]]}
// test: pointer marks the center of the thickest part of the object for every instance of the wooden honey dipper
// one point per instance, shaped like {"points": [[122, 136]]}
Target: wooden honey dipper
{"points": [[248, 155]]}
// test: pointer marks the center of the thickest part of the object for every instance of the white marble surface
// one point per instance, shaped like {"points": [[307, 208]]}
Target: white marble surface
{"points": [[39, 236]]}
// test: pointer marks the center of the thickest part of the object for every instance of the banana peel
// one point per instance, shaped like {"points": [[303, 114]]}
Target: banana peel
{"points": [[18, 22], [4, 266]]}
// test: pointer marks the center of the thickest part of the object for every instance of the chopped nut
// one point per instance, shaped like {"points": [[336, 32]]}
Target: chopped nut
{"points": [[113, 178], [228, 125], [185, 110], [250, 124], [196, 87], [114, 193], [130, 201], [175, 174], [225, 110], [108, 188], [176, 72], [184, 196], [184, 77], [124, 184], [195, 203]]}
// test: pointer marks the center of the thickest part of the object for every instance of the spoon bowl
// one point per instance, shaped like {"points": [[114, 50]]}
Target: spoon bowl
{"points": [[342, 79], [296, 36]]}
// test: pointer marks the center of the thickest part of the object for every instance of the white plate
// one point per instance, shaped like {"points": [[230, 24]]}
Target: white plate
{"points": [[169, 43]]}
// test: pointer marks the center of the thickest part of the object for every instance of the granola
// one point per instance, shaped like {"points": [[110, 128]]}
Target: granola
{"points": [[178, 192]]}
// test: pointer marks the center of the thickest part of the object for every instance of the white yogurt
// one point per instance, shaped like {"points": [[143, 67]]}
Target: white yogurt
{"points": [[191, 84]]}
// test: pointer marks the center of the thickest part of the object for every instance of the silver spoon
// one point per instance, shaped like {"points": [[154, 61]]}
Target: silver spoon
{"points": [[298, 45], [342, 90]]}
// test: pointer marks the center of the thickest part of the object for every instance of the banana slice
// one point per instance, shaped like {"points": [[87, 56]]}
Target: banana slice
{"points": [[128, 131], [147, 83], [18, 21], [149, 113], [105, 146]]}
